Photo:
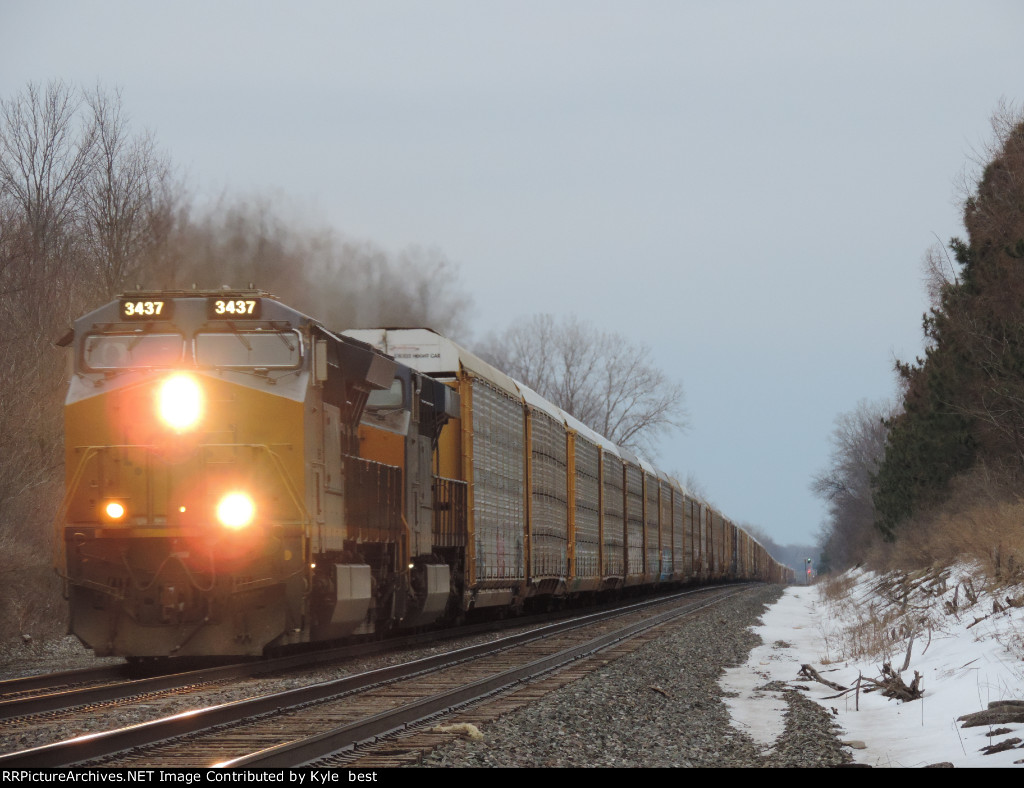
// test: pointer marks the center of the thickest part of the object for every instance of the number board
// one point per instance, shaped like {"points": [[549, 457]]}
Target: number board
{"points": [[233, 308], [145, 308]]}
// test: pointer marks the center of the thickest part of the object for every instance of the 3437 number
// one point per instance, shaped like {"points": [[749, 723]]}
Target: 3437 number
{"points": [[141, 308], [236, 308]]}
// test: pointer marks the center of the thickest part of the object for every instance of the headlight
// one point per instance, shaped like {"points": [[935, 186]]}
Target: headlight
{"points": [[114, 510], [180, 402], [236, 510]]}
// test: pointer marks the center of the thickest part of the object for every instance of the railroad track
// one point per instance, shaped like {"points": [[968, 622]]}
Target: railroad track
{"points": [[23, 689], [342, 719], [33, 695]]}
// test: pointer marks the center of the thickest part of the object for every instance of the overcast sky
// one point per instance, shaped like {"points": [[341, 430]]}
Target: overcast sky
{"points": [[747, 187]]}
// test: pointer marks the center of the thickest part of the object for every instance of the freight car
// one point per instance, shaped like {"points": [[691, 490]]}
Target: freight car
{"points": [[240, 477]]}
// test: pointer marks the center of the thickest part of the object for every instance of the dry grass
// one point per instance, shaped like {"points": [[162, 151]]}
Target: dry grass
{"points": [[835, 588], [982, 522], [877, 619], [914, 594], [854, 629]]}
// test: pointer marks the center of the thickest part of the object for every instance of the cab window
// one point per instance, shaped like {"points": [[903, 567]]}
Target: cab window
{"points": [[259, 349], [125, 351], [386, 410], [380, 399]]}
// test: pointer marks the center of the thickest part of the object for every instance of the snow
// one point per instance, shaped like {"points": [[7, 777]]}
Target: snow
{"points": [[964, 666]]}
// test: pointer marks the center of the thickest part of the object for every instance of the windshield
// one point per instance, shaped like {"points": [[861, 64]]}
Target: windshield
{"points": [[379, 399], [385, 409], [261, 349], [123, 351]]}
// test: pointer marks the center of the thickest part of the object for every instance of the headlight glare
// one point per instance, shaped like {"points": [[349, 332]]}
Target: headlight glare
{"points": [[236, 510], [180, 402], [114, 510]]}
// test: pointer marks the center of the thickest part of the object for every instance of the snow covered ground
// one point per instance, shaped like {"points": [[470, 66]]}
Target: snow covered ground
{"points": [[965, 663]]}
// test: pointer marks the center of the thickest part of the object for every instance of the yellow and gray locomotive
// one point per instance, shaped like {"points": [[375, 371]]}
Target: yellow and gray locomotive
{"points": [[239, 477], [216, 500]]}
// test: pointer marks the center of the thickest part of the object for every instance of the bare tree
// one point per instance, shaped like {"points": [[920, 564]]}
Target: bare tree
{"points": [[344, 282], [14, 247], [938, 272], [122, 195], [858, 446], [71, 209], [600, 377], [46, 152]]}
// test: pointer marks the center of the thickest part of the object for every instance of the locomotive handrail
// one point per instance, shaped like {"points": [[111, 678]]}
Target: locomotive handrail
{"points": [[60, 564]]}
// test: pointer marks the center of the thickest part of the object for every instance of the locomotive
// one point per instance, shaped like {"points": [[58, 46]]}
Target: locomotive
{"points": [[240, 478]]}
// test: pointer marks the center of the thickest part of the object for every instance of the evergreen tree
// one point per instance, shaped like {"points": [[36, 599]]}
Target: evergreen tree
{"points": [[964, 401]]}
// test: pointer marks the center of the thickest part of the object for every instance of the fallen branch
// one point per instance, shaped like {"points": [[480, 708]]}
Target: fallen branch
{"points": [[811, 674], [892, 685], [977, 621]]}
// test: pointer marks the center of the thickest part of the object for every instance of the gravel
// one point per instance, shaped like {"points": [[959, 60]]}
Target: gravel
{"points": [[27, 658], [660, 706]]}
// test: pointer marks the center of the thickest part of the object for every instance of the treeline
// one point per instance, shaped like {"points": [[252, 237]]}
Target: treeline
{"points": [[941, 473], [90, 207]]}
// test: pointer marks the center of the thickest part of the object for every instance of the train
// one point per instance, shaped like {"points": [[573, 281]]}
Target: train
{"points": [[240, 478]]}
